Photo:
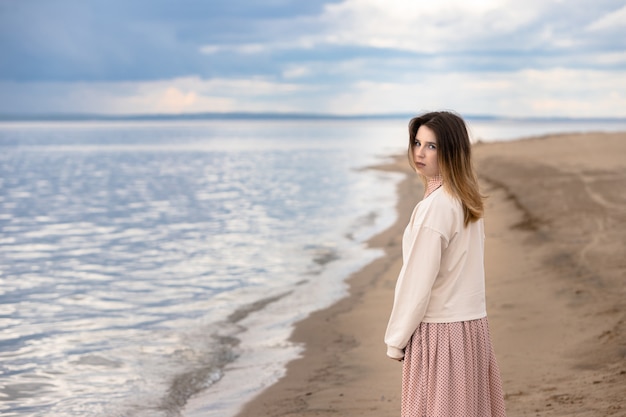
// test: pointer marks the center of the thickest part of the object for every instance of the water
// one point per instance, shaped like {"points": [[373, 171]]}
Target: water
{"points": [[157, 268], [134, 255]]}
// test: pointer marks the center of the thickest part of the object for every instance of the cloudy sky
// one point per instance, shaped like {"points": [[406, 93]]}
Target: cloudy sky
{"points": [[497, 57]]}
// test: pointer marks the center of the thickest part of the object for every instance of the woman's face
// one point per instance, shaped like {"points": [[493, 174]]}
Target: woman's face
{"points": [[425, 152]]}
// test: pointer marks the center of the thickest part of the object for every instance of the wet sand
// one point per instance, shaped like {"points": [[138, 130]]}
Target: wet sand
{"points": [[556, 291]]}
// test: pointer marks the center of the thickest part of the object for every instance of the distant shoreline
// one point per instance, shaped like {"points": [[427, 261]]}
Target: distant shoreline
{"points": [[79, 117]]}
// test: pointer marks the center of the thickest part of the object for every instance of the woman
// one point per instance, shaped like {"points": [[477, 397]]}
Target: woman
{"points": [[438, 325]]}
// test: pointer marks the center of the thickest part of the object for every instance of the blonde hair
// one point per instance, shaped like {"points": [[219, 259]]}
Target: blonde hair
{"points": [[454, 156]]}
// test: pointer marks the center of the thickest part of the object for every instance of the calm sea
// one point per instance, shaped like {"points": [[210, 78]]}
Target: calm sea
{"points": [[146, 266]]}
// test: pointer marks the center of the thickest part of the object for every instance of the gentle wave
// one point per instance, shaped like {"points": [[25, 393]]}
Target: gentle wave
{"points": [[132, 274]]}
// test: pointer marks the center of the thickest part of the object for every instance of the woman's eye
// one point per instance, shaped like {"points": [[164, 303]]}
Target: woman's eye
{"points": [[432, 147]]}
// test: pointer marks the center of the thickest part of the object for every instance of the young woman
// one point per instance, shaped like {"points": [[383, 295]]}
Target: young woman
{"points": [[438, 325]]}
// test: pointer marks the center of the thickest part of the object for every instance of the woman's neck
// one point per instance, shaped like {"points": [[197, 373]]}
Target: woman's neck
{"points": [[432, 184]]}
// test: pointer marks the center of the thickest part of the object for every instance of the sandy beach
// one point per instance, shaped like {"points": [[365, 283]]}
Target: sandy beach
{"points": [[556, 240]]}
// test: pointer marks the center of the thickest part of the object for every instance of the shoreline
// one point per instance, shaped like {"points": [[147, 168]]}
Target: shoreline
{"points": [[333, 351], [554, 292]]}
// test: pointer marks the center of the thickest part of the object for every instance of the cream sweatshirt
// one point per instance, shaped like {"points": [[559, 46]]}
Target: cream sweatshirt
{"points": [[442, 279]]}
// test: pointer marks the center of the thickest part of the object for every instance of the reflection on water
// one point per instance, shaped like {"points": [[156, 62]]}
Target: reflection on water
{"points": [[131, 256]]}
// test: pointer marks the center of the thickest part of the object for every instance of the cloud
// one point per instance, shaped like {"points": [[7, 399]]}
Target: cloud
{"points": [[99, 40], [118, 40], [610, 21], [296, 72], [190, 94], [350, 56], [557, 92], [422, 26], [444, 27]]}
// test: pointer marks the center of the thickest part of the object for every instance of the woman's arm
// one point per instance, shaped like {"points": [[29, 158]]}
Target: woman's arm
{"points": [[416, 279]]}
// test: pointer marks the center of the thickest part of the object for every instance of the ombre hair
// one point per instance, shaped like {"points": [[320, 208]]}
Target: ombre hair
{"points": [[454, 156]]}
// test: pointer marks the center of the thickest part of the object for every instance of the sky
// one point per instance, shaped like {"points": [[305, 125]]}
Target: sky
{"points": [[531, 58]]}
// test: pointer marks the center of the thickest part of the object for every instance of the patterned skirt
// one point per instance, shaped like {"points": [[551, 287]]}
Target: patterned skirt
{"points": [[450, 370]]}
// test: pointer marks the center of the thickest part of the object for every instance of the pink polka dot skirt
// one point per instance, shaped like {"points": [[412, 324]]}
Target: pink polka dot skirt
{"points": [[450, 370]]}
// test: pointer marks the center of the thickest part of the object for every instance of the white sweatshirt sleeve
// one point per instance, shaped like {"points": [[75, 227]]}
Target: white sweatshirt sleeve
{"points": [[417, 276]]}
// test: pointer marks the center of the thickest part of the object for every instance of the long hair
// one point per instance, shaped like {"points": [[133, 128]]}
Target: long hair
{"points": [[454, 156]]}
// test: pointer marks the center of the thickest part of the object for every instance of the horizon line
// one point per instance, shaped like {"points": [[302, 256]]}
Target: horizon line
{"points": [[80, 117]]}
